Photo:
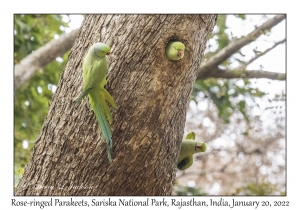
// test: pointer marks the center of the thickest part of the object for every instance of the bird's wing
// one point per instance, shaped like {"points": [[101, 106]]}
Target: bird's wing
{"points": [[185, 163]]}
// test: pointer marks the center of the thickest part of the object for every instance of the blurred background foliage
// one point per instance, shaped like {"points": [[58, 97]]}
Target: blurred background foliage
{"points": [[32, 99], [263, 188], [223, 92]]}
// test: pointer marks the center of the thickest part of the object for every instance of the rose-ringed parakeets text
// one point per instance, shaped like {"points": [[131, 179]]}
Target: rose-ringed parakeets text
{"points": [[175, 50], [94, 79], [189, 147]]}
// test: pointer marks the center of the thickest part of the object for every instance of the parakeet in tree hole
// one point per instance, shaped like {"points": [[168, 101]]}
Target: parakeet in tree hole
{"points": [[175, 51], [189, 147], [94, 79]]}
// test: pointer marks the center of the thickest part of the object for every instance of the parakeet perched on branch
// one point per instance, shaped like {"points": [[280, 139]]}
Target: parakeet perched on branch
{"points": [[189, 147], [94, 79], [175, 50]]}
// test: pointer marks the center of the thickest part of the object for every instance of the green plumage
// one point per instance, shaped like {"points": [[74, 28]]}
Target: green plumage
{"points": [[94, 79], [189, 147], [175, 50]]}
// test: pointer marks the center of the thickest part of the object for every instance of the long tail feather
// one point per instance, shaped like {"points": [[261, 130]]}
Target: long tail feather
{"points": [[99, 107], [108, 98], [106, 110]]}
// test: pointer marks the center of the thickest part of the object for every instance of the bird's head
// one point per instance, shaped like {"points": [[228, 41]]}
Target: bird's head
{"points": [[101, 49], [200, 147], [175, 50]]}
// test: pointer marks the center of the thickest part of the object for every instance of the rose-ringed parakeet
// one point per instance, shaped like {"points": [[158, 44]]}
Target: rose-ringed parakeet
{"points": [[94, 79], [189, 147], [175, 50]]}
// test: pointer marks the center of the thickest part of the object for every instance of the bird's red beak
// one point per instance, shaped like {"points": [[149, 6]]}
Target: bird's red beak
{"points": [[179, 53], [199, 147]]}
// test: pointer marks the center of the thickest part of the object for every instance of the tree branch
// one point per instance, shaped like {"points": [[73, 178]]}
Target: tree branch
{"points": [[44, 55], [258, 55], [240, 71], [231, 74], [233, 47]]}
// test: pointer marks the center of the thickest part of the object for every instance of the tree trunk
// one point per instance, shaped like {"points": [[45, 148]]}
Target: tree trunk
{"points": [[151, 93]]}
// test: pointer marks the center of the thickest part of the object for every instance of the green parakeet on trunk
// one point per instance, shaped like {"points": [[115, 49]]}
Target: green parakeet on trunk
{"points": [[175, 51], [94, 79], [189, 147]]}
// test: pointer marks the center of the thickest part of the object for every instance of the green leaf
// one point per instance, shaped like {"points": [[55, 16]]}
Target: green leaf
{"points": [[18, 173], [242, 16]]}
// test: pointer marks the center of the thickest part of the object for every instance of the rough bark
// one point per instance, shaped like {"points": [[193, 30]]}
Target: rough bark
{"points": [[151, 93]]}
